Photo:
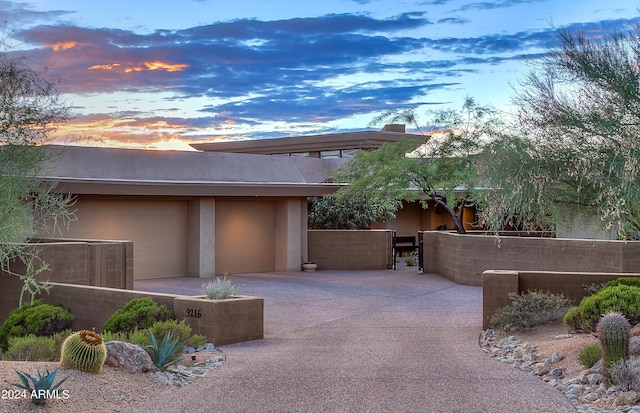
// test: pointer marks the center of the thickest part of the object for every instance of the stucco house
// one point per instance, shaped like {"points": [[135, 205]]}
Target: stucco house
{"points": [[230, 207]]}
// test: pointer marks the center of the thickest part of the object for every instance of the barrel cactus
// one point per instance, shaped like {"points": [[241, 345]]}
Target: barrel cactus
{"points": [[85, 351], [614, 332]]}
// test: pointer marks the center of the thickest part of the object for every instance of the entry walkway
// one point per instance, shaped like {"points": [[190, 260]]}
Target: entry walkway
{"points": [[361, 341]]}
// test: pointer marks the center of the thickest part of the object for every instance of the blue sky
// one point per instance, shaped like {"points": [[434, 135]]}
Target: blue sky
{"points": [[160, 74]]}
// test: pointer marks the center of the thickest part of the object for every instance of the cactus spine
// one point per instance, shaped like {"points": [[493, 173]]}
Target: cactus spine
{"points": [[614, 332], [84, 350]]}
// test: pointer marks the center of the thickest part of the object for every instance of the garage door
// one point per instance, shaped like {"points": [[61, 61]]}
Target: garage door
{"points": [[157, 228]]}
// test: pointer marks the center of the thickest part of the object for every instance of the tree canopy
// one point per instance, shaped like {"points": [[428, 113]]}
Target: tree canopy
{"points": [[30, 110], [431, 166], [358, 213], [576, 152]]}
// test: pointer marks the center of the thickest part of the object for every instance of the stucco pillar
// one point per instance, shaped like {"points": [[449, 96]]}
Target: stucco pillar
{"points": [[201, 237], [290, 234]]}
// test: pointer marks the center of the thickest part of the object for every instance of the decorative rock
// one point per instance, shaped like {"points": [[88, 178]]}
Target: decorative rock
{"points": [[627, 398], [594, 378], [180, 375], [128, 356], [586, 391]]}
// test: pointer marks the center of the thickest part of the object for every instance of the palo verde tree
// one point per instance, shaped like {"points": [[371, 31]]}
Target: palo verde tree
{"points": [[30, 110], [577, 153], [434, 166]]}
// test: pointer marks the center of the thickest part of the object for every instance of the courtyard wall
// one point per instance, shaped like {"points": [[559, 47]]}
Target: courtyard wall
{"points": [[463, 258], [497, 285]]}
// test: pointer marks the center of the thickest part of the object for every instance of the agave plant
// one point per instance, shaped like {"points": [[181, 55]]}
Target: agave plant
{"points": [[166, 353], [43, 385]]}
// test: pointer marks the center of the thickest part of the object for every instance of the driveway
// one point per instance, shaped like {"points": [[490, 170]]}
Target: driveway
{"points": [[361, 341]]}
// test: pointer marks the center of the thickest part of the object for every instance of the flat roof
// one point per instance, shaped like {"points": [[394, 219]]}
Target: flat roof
{"points": [[109, 171], [308, 143]]}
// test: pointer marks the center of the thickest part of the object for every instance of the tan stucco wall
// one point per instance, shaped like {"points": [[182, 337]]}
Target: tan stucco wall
{"points": [[291, 233], [463, 258], [350, 249], [497, 285]]}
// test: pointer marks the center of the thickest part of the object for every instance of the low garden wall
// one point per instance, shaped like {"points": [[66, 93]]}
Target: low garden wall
{"points": [[463, 258], [87, 262], [351, 249], [92, 306], [498, 284]]}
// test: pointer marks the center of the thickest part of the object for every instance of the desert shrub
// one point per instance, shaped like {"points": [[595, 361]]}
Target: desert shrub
{"points": [[110, 336], [528, 310], [571, 318], [411, 260], [36, 348], [624, 374], [631, 281], [32, 348], [138, 313], [34, 318], [622, 298], [178, 329], [220, 288], [590, 355], [197, 340]]}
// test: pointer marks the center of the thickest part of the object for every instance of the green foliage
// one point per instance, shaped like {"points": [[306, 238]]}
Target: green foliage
{"points": [[632, 281], [621, 298], [357, 213], [30, 110], [220, 288], [197, 340], [119, 336], [431, 167], [84, 350], [528, 310], [35, 348], [411, 260], [34, 318], [179, 329], [159, 329], [138, 313], [589, 355], [614, 332], [575, 152], [41, 384], [166, 353], [572, 319]]}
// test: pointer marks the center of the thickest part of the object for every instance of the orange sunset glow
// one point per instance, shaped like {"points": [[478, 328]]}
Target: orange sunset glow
{"points": [[157, 65], [57, 47]]}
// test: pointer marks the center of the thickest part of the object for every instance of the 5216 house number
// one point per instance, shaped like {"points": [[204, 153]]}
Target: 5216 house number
{"points": [[194, 312]]}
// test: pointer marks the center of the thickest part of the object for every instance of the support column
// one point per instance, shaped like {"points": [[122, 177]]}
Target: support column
{"points": [[290, 234], [201, 238]]}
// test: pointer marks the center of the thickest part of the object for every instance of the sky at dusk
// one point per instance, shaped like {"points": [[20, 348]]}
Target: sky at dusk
{"points": [[160, 74]]}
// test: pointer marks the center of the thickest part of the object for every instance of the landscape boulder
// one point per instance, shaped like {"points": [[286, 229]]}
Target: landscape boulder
{"points": [[129, 357]]}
